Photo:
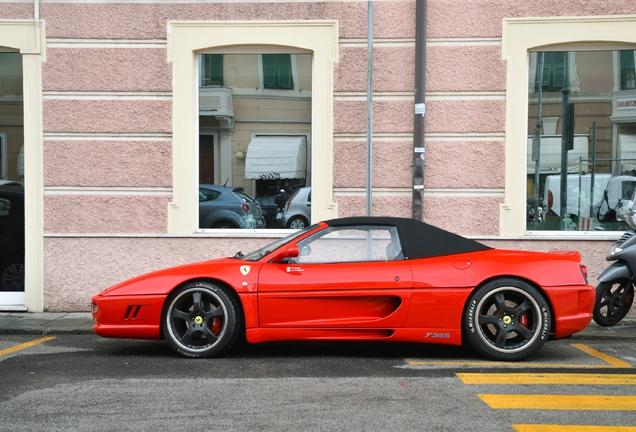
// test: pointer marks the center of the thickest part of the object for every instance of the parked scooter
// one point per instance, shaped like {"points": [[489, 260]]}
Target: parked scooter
{"points": [[615, 293]]}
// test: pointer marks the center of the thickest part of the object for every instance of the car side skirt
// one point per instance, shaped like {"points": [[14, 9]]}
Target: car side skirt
{"points": [[428, 335]]}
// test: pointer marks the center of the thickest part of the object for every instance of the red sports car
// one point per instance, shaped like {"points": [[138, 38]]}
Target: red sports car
{"points": [[359, 278]]}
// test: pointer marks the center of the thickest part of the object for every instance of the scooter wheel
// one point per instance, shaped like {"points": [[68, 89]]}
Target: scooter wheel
{"points": [[613, 300]]}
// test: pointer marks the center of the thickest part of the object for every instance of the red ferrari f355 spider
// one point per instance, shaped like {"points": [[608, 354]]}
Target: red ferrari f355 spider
{"points": [[360, 278]]}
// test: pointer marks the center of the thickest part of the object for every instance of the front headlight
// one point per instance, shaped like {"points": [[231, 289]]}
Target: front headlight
{"points": [[613, 251]]}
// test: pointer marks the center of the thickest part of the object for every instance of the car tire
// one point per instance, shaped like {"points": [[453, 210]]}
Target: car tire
{"points": [[202, 320], [507, 320], [608, 309], [297, 222], [225, 225], [12, 274]]}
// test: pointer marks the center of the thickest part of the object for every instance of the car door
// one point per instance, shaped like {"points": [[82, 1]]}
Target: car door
{"points": [[343, 278]]}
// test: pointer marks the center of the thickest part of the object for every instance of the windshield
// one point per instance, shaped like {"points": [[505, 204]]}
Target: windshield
{"points": [[261, 252]]}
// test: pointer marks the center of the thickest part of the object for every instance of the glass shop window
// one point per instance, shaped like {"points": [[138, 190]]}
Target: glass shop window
{"points": [[581, 142], [254, 136]]}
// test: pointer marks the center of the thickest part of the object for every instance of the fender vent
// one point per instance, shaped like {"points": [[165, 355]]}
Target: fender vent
{"points": [[625, 237], [132, 312]]}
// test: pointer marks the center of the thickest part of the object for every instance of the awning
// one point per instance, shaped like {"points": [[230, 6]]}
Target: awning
{"points": [[276, 157]]}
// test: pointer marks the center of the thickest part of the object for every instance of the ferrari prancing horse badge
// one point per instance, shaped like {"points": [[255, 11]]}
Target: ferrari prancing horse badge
{"points": [[245, 270]]}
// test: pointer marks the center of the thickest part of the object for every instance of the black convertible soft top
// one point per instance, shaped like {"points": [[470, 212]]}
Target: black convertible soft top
{"points": [[418, 239]]}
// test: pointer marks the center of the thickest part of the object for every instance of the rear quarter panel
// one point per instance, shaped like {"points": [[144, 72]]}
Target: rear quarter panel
{"points": [[441, 285]]}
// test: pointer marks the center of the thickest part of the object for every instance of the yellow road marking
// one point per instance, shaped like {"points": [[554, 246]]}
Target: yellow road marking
{"points": [[513, 364], [570, 428], [547, 378], [25, 345], [613, 362], [609, 359], [560, 402]]}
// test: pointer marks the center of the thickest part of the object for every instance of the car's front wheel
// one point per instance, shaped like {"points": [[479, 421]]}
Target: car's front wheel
{"points": [[507, 320], [201, 319], [297, 222]]}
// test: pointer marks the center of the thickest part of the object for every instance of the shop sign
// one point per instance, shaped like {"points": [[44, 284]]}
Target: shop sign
{"points": [[625, 104]]}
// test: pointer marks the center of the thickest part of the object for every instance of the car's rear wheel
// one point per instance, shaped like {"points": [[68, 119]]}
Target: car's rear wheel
{"points": [[613, 301], [507, 319], [297, 222], [201, 320], [12, 274]]}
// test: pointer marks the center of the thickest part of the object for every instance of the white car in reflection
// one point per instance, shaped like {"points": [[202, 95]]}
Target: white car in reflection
{"points": [[297, 213]]}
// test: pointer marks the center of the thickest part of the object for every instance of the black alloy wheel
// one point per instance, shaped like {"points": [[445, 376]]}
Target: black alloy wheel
{"points": [[507, 320], [613, 301], [202, 320]]}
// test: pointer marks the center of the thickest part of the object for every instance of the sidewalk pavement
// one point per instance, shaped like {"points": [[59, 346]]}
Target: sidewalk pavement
{"points": [[44, 323]]}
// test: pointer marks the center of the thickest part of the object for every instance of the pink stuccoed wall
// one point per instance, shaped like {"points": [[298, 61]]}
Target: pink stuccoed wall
{"points": [[94, 238], [108, 163], [78, 268], [111, 214], [107, 70], [107, 116]]}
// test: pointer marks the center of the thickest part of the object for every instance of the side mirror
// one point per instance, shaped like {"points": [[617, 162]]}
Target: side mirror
{"points": [[289, 251]]}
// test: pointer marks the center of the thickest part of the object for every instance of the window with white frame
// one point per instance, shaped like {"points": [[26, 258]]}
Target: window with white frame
{"points": [[599, 110], [581, 174], [318, 40], [268, 138]]}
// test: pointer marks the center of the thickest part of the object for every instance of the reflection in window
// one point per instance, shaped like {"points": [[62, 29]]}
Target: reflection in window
{"points": [[211, 69], [553, 70], [252, 135], [11, 117], [351, 244], [628, 77], [581, 148], [277, 71]]}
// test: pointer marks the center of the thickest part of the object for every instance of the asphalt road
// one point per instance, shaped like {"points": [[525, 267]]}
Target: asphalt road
{"points": [[81, 382]]}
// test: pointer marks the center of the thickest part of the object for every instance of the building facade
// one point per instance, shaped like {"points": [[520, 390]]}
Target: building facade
{"points": [[113, 114]]}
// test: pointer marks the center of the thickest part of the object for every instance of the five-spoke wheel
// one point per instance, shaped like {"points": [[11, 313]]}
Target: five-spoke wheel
{"points": [[507, 319], [201, 319], [613, 301]]}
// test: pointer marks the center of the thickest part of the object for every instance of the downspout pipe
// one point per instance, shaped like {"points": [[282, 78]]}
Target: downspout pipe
{"points": [[370, 109], [419, 147]]}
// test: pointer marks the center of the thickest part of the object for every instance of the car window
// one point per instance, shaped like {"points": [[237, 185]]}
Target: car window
{"points": [[347, 244], [243, 195], [208, 194], [269, 201], [5, 206]]}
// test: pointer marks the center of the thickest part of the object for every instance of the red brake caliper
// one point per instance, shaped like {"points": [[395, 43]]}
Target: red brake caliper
{"points": [[216, 325], [523, 319]]}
